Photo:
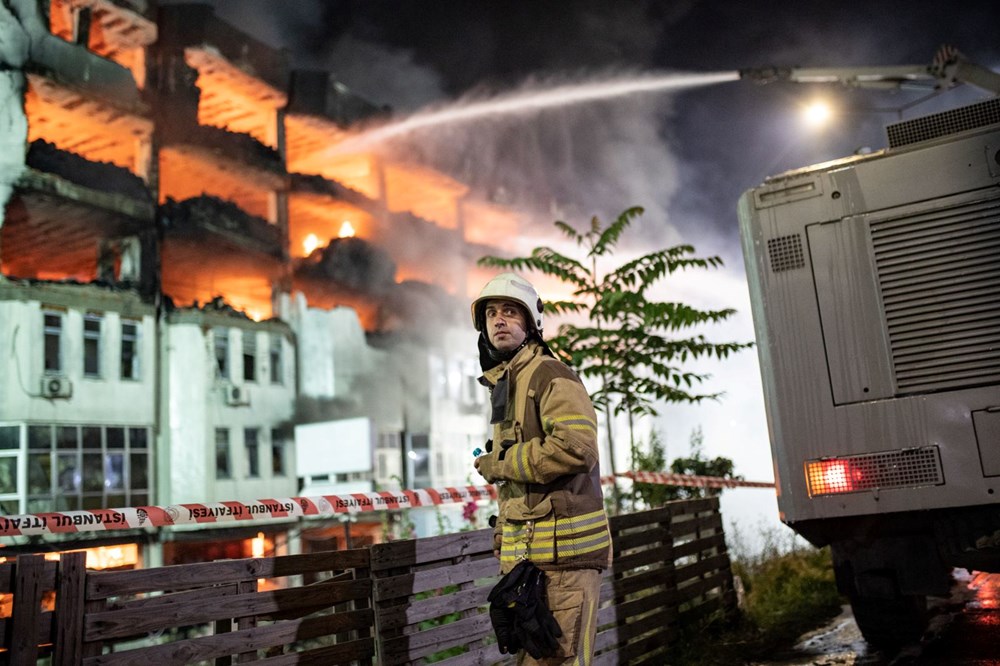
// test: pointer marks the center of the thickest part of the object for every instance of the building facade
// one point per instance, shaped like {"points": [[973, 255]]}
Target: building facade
{"points": [[190, 272]]}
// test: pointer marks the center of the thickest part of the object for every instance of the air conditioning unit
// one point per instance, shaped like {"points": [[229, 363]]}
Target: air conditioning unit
{"points": [[236, 395], [56, 387]]}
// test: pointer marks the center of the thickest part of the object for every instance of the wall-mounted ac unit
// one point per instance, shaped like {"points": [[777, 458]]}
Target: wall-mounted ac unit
{"points": [[56, 387], [236, 395]]}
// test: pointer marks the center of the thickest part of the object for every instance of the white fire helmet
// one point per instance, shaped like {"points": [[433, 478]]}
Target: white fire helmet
{"points": [[511, 287]]}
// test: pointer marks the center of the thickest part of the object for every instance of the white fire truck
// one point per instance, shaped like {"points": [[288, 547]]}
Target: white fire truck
{"points": [[875, 290]]}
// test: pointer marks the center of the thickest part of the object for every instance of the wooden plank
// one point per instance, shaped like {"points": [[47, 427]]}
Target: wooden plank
{"points": [[478, 656], [658, 600], [257, 638], [644, 558], [644, 648], [70, 608], [131, 622], [392, 617], [639, 519], [641, 582], [683, 507], [422, 581], [695, 546], [361, 650], [105, 584], [702, 567], [410, 647], [656, 534], [692, 526], [701, 611], [702, 587], [246, 623], [174, 598], [6, 578], [407, 553], [28, 588]]}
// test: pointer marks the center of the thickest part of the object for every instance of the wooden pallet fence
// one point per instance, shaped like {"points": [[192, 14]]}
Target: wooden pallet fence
{"points": [[401, 603], [430, 600], [227, 612]]}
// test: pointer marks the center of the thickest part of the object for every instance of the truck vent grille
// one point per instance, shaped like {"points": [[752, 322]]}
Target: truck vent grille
{"points": [[785, 253], [944, 123], [904, 468], [939, 275]]}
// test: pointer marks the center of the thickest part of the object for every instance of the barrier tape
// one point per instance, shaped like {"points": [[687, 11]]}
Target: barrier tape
{"points": [[296, 507], [693, 480], [227, 512]]}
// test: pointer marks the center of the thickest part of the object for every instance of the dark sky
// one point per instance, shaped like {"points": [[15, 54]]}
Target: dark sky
{"points": [[686, 157]]}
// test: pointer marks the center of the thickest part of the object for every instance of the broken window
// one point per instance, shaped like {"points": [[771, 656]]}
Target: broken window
{"points": [[275, 358], [130, 349], [252, 445], [221, 352], [222, 466], [249, 356], [92, 324], [53, 341]]}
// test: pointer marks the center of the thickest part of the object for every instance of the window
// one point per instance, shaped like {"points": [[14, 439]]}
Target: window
{"points": [[87, 467], [222, 466], [275, 357], [130, 349], [53, 325], [92, 324], [221, 336], [278, 464], [253, 452], [249, 356], [10, 444]]}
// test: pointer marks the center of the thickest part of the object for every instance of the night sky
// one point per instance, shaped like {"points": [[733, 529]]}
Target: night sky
{"points": [[686, 157]]}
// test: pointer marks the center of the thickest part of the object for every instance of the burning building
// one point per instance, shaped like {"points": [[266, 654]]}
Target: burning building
{"points": [[188, 271]]}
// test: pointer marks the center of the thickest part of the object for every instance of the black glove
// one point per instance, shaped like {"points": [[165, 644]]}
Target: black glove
{"points": [[521, 595], [503, 626]]}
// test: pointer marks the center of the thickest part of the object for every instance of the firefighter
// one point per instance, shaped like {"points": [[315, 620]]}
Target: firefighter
{"points": [[544, 459]]}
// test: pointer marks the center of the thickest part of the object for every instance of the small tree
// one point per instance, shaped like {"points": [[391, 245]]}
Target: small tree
{"points": [[627, 341], [698, 465], [651, 495]]}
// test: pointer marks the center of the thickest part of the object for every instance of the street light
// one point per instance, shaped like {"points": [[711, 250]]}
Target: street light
{"points": [[817, 113]]}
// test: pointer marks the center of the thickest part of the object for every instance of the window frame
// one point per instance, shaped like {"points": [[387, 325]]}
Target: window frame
{"points": [[251, 451], [135, 360], [56, 365], [220, 344], [92, 342], [249, 343], [223, 437]]}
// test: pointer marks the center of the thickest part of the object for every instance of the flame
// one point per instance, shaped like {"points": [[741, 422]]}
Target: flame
{"points": [[310, 243], [257, 545], [346, 230]]}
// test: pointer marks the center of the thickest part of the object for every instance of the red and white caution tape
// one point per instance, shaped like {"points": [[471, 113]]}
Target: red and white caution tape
{"points": [[693, 480], [227, 512], [297, 507]]}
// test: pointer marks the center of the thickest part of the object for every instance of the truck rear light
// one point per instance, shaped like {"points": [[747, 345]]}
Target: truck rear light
{"points": [[831, 476], [902, 468]]}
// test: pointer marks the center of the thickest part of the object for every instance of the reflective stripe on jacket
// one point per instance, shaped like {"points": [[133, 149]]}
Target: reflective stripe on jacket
{"points": [[545, 443]]}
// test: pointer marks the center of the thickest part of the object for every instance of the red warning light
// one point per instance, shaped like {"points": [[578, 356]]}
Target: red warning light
{"points": [[831, 476]]}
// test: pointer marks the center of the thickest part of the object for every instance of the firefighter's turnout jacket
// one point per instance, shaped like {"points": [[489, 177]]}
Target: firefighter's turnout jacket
{"points": [[545, 461]]}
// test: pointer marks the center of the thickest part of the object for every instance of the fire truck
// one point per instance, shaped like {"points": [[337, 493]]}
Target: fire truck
{"points": [[875, 292]]}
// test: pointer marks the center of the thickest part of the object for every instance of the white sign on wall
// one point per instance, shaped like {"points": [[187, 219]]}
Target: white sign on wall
{"points": [[333, 447]]}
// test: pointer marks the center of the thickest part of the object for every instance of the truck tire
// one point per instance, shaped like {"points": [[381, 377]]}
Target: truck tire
{"points": [[890, 622]]}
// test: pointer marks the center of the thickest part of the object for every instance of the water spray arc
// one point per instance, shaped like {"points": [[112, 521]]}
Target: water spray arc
{"points": [[522, 103]]}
